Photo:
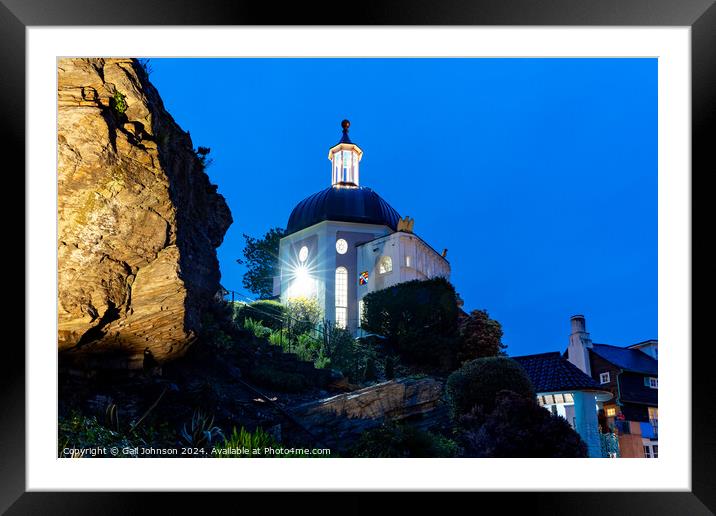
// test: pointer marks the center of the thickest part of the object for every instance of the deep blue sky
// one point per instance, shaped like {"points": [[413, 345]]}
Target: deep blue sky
{"points": [[538, 175]]}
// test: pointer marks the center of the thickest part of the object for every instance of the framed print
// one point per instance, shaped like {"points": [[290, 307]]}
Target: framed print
{"points": [[199, 288]]}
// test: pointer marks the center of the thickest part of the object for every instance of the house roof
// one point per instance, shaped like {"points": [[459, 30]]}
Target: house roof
{"points": [[550, 372], [628, 359]]}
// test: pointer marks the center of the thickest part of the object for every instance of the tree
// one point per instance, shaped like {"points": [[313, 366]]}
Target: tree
{"points": [[478, 381], [261, 260], [480, 337], [518, 427], [418, 319]]}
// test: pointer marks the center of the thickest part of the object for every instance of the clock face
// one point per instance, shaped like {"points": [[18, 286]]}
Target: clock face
{"points": [[341, 246], [303, 254]]}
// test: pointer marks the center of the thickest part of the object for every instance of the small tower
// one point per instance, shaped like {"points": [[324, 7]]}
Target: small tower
{"points": [[344, 157]]}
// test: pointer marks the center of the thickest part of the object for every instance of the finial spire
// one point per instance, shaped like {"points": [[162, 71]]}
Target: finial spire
{"points": [[345, 124]]}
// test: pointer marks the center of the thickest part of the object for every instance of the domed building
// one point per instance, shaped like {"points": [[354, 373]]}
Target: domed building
{"points": [[346, 241]]}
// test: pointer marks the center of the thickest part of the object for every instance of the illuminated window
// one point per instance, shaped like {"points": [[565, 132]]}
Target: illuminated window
{"points": [[385, 265], [360, 311], [303, 254], [652, 382], [611, 411], [604, 378], [341, 297], [653, 413], [407, 261], [341, 246]]}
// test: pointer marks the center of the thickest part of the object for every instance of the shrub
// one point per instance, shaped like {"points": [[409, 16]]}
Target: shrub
{"points": [[79, 431], [480, 337], [201, 431], [345, 353], [118, 103], [393, 440], [269, 313], [258, 329], [477, 383], [518, 427], [418, 318], [303, 314]]}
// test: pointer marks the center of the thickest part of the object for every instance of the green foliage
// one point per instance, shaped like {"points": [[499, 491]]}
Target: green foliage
{"points": [[259, 330], [261, 260], [254, 442], [480, 337], [270, 314], [419, 319], [303, 314], [80, 431], [346, 354], [278, 380], [478, 381], [393, 440], [389, 367], [118, 103], [518, 427], [201, 431]]}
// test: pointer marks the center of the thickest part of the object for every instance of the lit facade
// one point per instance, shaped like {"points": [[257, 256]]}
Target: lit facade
{"points": [[346, 241]]}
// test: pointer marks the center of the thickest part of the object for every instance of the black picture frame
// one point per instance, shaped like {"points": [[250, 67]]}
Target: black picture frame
{"points": [[700, 15]]}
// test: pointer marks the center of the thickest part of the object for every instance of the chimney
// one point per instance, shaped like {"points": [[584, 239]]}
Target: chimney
{"points": [[579, 344]]}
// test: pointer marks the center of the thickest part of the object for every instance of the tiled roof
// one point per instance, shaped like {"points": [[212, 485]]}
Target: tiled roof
{"points": [[550, 372], [628, 359]]}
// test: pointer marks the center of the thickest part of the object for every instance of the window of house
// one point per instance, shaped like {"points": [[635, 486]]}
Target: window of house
{"points": [[604, 378], [407, 260], [385, 265], [647, 452], [651, 382], [655, 449], [360, 311], [611, 411], [341, 297]]}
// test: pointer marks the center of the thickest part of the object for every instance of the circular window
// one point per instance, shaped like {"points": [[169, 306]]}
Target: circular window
{"points": [[341, 246], [303, 254]]}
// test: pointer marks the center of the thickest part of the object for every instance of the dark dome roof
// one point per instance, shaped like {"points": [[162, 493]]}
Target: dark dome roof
{"points": [[357, 204]]}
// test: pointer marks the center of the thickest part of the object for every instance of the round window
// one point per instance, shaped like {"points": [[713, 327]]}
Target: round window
{"points": [[303, 254], [341, 246]]}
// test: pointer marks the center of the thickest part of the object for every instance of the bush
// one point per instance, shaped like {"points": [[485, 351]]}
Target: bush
{"points": [[118, 102], [303, 314], [346, 354], [393, 440], [418, 318], [518, 427], [259, 330], [80, 432], [477, 383], [269, 313], [480, 337]]}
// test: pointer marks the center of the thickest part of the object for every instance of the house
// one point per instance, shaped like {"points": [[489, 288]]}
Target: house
{"points": [[346, 241], [631, 375], [566, 391]]}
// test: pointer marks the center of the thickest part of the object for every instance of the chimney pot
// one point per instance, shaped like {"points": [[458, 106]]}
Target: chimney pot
{"points": [[578, 324]]}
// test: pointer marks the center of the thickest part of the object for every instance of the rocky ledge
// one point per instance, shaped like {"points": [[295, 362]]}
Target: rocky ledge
{"points": [[138, 220]]}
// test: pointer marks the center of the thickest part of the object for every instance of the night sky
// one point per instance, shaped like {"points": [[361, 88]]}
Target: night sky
{"points": [[538, 175]]}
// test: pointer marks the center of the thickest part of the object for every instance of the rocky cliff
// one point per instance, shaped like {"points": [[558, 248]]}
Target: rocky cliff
{"points": [[138, 219]]}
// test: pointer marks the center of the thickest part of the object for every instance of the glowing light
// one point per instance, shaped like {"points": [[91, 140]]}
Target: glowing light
{"points": [[302, 284]]}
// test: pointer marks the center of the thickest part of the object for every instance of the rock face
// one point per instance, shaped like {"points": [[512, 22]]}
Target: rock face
{"points": [[138, 219], [340, 419]]}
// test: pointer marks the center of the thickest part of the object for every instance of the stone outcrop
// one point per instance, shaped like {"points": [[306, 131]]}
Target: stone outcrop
{"points": [[138, 220], [340, 419]]}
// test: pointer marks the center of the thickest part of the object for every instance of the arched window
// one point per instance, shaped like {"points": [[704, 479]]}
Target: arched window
{"points": [[341, 297], [385, 265]]}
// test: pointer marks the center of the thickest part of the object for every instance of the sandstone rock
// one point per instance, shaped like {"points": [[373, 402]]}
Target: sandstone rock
{"points": [[138, 220], [337, 421]]}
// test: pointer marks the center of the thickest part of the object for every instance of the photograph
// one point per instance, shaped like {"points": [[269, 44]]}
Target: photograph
{"points": [[358, 257]]}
